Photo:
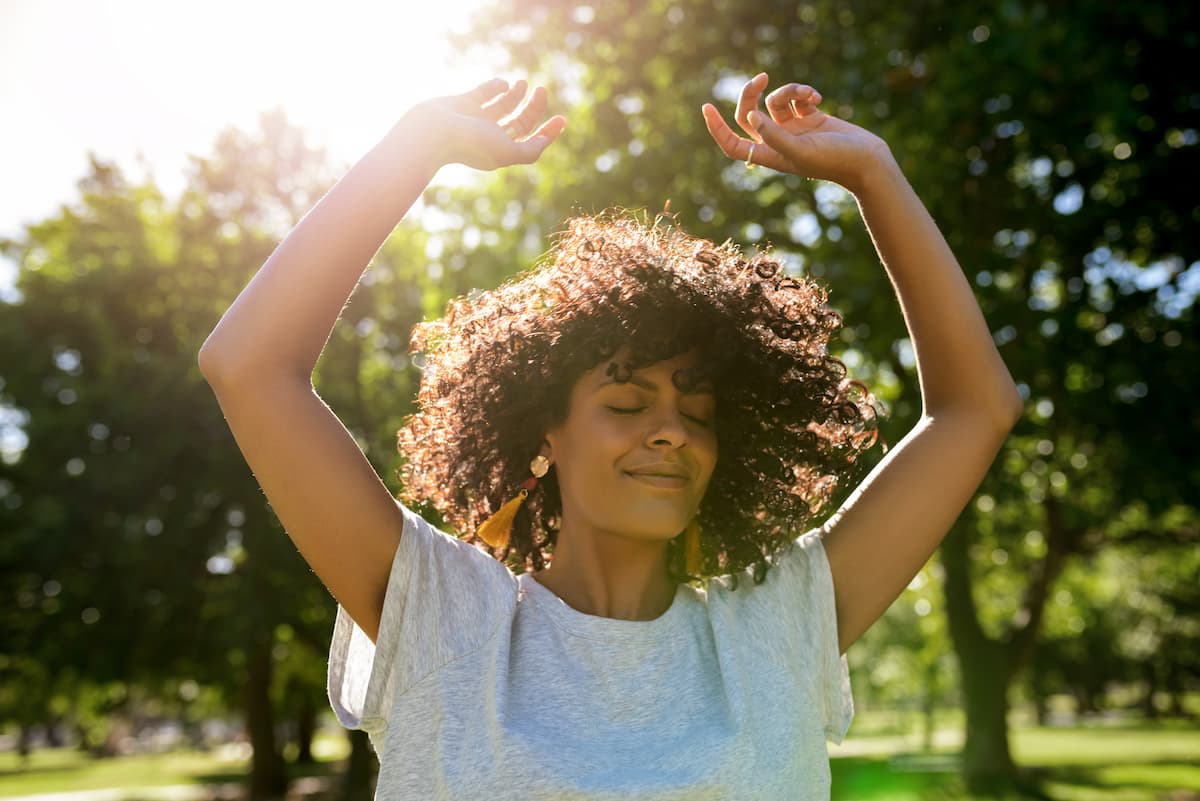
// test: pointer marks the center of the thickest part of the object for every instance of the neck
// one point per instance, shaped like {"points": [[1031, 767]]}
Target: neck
{"points": [[609, 575]]}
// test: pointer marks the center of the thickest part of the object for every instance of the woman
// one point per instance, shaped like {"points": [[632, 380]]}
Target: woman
{"points": [[656, 417]]}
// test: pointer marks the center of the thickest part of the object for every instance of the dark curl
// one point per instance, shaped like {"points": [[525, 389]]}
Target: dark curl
{"points": [[500, 366]]}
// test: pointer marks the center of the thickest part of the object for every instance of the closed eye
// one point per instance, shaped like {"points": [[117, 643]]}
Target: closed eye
{"points": [[627, 411], [641, 408]]}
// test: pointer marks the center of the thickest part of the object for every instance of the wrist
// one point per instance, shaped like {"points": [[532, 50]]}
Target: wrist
{"points": [[413, 140], [878, 166]]}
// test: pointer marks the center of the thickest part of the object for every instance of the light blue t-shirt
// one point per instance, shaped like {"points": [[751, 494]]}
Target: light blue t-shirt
{"points": [[486, 685]]}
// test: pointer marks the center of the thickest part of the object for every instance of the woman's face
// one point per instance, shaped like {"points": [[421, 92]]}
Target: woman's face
{"points": [[645, 425]]}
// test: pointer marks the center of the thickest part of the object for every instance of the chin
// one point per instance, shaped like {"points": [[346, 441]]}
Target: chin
{"points": [[659, 528]]}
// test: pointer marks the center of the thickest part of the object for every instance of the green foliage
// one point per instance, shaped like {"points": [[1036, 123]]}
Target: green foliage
{"points": [[136, 543], [1048, 142]]}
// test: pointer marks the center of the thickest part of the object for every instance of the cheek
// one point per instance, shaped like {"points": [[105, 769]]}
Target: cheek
{"points": [[706, 441], [613, 430], [597, 447]]}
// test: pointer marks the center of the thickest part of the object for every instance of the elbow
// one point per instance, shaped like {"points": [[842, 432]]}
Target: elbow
{"points": [[203, 361], [1000, 413], [1008, 413], [1007, 406], [207, 361], [223, 369], [1016, 407]]}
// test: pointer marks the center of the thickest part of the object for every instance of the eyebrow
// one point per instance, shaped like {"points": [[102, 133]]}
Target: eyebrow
{"points": [[705, 387]]}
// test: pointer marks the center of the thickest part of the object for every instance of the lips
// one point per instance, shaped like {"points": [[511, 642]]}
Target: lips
{"points": [[663, 482], [662, 475], [663, 469]]}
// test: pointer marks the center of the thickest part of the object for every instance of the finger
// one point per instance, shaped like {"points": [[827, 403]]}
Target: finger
{"points": [[524, 120], [737, 147], [473, 99], [503, 105], [779, 140], [805, 110], [722, 134], [546, 133], [530, 150], [748, 100], [810, 118], [788, 101], [542, 137], [550, 129]]}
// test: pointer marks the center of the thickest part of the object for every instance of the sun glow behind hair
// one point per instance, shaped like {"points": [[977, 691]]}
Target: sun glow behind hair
{"points": [[344, 71], [162, 79], [144, 83]]}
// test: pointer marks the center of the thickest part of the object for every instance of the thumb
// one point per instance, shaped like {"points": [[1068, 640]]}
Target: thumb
{"points": [[530, 150], [770, 132]]}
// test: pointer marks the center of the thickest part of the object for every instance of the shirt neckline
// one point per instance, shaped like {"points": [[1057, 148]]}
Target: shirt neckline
{"points": [[605, 628]]}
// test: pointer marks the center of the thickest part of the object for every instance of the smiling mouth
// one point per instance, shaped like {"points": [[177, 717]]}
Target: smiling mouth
{"points": [[662, 482]]}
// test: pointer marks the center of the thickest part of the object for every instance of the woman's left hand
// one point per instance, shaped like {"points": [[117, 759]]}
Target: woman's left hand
{"points": [[797, 137]]}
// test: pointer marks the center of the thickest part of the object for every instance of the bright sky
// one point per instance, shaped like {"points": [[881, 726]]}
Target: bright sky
{"points": [[123, 77]]}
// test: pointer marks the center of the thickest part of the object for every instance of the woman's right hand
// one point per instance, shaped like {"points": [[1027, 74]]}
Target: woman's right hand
{"points": [[466, 129]]}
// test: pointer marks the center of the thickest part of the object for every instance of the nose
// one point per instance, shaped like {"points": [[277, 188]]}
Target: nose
{"points": [[668, 428]]}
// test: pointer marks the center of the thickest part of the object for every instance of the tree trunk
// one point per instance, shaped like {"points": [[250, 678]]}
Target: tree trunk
{"points": [[357, 782], [928, 705], [986, 756], [83, 738], [24, 741], [1038, 690], [54, 735], [988, 666], [306, 726], [1175, 685], [1085, 704], [267, 777], [1146, 703]]}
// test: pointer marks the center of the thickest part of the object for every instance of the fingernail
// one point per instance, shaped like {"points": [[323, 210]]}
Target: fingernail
{"points": [[754, 117]]}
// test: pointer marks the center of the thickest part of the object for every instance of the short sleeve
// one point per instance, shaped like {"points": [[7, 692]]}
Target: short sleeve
{"points": [[804, 568], [444, 598]]}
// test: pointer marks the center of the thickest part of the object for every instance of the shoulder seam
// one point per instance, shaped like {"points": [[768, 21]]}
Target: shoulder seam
{"points": [[486, 640]]}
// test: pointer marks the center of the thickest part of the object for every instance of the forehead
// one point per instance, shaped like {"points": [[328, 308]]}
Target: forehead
{"points": [[649, 376]]}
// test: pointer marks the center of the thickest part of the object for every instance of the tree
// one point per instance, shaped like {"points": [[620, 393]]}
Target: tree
{"points": [[141, 546]]}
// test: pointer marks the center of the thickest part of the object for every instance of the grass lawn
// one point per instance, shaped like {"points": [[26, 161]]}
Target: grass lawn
{"points": [[1134, 762], [59, 770], [1131, 762]]}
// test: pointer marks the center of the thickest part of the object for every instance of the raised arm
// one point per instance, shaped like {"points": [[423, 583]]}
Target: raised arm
{"points": [[882, 535], [260, 357], [282, 319]]}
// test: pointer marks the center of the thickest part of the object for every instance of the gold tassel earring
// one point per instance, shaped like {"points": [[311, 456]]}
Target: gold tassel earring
{"points": [[495, 530], [691, 546]]}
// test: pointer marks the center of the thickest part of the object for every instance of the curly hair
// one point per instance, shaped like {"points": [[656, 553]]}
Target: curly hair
{"points": [[499, 367]]}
